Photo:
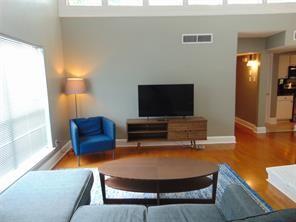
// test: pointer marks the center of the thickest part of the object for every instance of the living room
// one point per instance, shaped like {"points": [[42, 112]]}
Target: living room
{"points": [[93, 62]]}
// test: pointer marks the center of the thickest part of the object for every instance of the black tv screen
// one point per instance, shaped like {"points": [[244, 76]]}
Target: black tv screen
{"points": [[166, 100]]}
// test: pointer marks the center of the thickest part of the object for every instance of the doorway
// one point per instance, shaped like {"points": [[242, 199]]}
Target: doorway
{"points": [[247, 89]]}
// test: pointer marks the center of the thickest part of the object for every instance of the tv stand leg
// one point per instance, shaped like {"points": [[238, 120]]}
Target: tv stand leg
{"points": [[138, 145], [197, 146]]}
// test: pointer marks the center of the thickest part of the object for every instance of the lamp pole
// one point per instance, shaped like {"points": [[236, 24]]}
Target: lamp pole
{"points": [[76, 115]]}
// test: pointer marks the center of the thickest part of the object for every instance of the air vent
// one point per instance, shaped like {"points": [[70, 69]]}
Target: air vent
{"points": [[189, 39], [294, 35], [197, 38]]}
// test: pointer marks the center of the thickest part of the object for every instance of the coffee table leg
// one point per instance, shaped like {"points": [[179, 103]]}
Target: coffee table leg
{"points": [[214, 190], [102, 179]]}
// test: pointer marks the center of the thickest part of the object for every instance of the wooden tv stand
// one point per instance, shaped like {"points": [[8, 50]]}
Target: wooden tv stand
{"points": [[175, 129]]}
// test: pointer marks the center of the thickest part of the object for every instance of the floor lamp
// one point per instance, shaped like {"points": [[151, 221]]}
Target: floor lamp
{"points": [[75, 86]]}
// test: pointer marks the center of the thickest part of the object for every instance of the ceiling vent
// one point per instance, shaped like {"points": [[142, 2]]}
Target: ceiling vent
{"points": [[197, 38]]}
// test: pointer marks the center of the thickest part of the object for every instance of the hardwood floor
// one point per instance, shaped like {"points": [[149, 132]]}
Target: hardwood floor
{"points": [[281, 126], [249, 157]]}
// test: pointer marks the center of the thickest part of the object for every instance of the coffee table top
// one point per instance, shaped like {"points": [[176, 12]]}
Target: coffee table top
{"points": [[146, 168]]}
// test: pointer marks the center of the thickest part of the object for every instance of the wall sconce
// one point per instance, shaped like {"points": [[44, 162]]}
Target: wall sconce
{"points": [[253, 65]]}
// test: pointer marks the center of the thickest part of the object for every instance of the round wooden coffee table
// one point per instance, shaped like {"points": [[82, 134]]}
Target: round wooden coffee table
{"points": [[158, 175]]}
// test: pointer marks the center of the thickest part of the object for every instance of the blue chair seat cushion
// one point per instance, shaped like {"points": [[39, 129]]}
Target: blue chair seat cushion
{"points": [[89, 126], [96, 143]]}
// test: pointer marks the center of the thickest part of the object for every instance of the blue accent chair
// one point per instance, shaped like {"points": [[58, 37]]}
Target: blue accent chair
{"points": [[91, 135]]}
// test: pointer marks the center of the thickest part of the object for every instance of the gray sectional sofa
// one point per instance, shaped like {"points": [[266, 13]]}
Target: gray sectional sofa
{"points": [[64, 195], [46, 196]]}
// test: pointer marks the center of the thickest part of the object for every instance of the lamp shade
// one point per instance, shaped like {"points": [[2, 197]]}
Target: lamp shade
{"points": [[75, 86]]}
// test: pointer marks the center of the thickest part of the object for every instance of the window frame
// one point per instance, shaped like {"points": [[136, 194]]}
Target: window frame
{"points": [[125, 5], [185, 10], [38, 158]]}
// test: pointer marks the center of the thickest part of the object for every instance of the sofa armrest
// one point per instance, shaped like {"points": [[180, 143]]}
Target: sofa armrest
{"points": [[74, 137], [286, 215], [109, 128], [236, 204]]}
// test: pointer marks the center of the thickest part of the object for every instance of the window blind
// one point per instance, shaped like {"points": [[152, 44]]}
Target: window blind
{"points": [[24, 114]]}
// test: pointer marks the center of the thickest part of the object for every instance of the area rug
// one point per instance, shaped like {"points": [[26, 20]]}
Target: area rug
{"points": [[226, 177]]}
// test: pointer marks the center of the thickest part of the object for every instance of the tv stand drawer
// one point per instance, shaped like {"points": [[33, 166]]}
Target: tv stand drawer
{"points": [[177, 135], [197, 135], [185, 126]]}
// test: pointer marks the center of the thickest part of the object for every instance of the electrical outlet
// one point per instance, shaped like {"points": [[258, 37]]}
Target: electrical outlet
{"points": [[56, 143]]}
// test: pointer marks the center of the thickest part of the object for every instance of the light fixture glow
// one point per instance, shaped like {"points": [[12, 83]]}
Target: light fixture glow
{"points": [[253, 63]]}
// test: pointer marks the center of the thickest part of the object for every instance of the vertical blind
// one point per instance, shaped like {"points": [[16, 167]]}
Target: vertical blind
{"points": [[24, 115]]}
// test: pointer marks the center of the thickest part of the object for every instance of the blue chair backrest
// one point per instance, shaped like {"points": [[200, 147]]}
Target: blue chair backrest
{"points": [[89, 126]]}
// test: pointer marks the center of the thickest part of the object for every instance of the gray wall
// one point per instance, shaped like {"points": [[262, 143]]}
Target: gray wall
{"points": [[276, 40], [117, 54], [37, 22]]}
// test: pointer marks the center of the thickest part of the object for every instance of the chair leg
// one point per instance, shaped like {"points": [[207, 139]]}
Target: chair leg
{"points": [[78, 161], [113, 154]]}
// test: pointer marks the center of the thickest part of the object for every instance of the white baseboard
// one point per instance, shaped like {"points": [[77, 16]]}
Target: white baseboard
{"points": [[210, 140], [245, 123], [260, 130], [272, 120], [250, 126], [51, 162]]}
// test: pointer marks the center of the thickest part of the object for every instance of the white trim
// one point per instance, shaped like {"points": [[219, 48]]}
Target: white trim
{"points": [[51, 162], [245, 124], [272, 120], [261, 129], [268, 87], [294, 35], [210, 140], [185, 10], [250, 126]]}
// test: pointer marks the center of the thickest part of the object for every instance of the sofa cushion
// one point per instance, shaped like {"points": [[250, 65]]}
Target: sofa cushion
{"points": [[46, 196], [237, 204], [89, 126], [287, 215], [110, 213], [184, 213]]}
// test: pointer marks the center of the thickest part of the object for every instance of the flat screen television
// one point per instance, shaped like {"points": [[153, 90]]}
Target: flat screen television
{"points": [[166, 100]]}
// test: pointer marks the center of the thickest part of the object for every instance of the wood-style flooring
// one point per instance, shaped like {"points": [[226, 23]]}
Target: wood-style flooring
{"points": [[249, 157], [281, 126]]}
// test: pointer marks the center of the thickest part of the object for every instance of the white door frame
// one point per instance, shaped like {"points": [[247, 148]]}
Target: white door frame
{"points": [[268, 119]]}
